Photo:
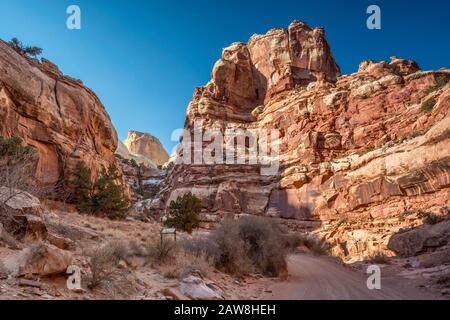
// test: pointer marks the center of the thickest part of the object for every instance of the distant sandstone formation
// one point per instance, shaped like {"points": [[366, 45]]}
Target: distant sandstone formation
{"points": [[356, 151], [58, 115], [123, 152], [146, 145]]}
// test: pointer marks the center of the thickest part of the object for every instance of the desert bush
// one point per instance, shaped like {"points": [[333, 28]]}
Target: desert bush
{"points": [[185, 263], [178, 260], [184, 213], [17, 163], [149, 191], [250, 244], [292, 240], [444, 281], [205, 245], [103, 264], [428, 105], [159, 251], [378, 257], [441, 81], [403, 215], [14, 147], [316, 245]]}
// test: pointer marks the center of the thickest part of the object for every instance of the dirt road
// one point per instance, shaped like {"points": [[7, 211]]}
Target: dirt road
{"points": [[321, 278]]}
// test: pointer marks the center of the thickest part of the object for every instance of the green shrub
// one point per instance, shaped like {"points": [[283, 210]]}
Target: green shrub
{"points": [[149, 191], [82, 184], [104, 196], [131, 162], [13, 147], [428, 105], [184, 213], [250, 244], [441, 81]]}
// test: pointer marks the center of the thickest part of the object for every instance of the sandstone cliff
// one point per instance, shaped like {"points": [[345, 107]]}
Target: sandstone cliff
{"points": [[146, 145], [59, 116], [123, 152], [356, 151]]}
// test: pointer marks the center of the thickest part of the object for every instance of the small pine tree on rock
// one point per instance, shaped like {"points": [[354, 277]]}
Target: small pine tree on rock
{"points": [[30, 51]]}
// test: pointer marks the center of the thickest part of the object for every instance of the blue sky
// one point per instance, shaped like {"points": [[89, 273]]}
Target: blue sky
{"points": [[144, 58]]}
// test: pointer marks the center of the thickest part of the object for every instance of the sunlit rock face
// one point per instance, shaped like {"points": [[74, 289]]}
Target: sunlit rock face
{"points": [[57, 115], [355, 151], [146, 145]]}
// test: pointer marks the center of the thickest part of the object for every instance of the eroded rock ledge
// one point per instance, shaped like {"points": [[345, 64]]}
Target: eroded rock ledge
{"points": [[356, 150], [64, 120]]}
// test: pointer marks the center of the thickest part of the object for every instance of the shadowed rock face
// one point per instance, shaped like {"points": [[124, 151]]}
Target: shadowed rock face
{"points": [[61, 118], [356, 151], [146, 145]]}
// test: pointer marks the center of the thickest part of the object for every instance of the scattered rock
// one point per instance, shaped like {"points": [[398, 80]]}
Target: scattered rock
{"points": [[18, 199], [410, 243], [39, 260], [29, 283], [196, 289], [173, 294]]}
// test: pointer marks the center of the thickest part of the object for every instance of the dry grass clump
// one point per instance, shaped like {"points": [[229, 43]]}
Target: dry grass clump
{"points": [[313, 243], [103, 267], [250, 244], [186, 263], [378, 257], [177, 260], [159, 251]]}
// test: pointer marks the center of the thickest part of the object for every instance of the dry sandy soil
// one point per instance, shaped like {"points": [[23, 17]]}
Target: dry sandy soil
{"points": [[146, 281], [323, 278], [310, 276]]}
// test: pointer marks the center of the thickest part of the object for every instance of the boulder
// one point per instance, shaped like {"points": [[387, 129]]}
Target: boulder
{"points": [[410, 243], [18, 199], [38, 260], [196, 288]]}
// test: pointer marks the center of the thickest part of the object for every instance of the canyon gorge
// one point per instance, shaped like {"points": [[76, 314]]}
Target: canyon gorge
{"points": [[364, 158]]}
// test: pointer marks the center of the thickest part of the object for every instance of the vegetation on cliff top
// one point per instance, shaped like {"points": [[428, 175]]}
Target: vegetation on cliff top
{"points": [[19, 47]]}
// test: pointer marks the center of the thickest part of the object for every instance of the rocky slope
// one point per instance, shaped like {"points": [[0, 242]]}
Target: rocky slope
{"points": [[57, 115], [146, 145], [357, 152]]}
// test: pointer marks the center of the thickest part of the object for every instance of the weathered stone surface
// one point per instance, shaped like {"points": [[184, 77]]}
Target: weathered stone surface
{"points": [[356, 151], [62, 119], [40, 260], [18, 199], [412, 242], [197, 289], [146, 145]]}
